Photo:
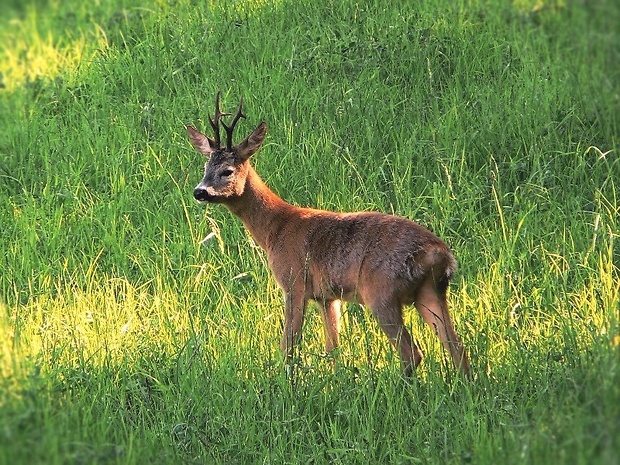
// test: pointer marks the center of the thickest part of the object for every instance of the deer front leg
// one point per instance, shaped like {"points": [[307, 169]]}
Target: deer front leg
{"points": [[294, 308], [330, 311]]}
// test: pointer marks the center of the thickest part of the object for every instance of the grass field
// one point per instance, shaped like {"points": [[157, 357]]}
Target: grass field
{"points": [[126, 338]]}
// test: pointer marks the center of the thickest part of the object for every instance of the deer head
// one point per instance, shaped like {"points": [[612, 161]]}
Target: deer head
{"points": [[227, 167]]}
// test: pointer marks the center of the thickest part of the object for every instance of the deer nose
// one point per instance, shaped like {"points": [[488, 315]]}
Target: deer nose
{"points": [[201, 194]]}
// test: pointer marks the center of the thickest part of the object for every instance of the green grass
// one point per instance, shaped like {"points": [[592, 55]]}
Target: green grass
{"points": [[125, 339]]}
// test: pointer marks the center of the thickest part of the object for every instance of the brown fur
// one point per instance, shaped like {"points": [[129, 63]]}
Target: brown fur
{"points": [[381, 261]]}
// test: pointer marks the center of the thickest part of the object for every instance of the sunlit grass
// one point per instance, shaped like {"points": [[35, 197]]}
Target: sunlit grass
{"points": [[29, 52]]}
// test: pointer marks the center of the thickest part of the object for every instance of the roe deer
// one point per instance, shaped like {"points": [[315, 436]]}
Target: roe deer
{"points": [[378, 260]]}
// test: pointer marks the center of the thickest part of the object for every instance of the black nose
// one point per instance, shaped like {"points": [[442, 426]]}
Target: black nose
{"points": [[201, 194]]}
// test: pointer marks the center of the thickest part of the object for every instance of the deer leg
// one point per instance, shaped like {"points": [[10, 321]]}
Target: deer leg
{"points": [[330, 311], [294, 308], [390, 318], [432, 304]]}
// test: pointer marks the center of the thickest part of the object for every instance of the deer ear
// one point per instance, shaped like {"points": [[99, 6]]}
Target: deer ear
{"points": [[250, 145], [203, 143]]}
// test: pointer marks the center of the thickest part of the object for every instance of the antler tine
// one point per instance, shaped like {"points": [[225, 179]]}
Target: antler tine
{"points": [[215, 122], [231, 128]]}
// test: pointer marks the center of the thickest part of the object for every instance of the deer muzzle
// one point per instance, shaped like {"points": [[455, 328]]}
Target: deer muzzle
{"points": [[202, 195]]}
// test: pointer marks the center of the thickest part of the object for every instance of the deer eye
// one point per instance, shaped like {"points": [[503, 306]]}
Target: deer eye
{"points": [[226, 173]]}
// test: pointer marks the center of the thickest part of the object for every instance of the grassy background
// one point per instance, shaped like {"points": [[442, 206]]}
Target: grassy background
{"points": [[126, 339]]}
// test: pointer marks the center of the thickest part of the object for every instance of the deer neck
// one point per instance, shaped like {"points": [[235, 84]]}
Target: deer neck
{"points": [[259, 208]]}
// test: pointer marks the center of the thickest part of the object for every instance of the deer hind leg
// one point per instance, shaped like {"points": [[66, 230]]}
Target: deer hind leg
{"points": [[390, 318], [432, 304], [330, 311]]}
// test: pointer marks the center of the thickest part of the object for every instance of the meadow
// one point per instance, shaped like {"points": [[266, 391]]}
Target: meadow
{"points": [[137, 326]]}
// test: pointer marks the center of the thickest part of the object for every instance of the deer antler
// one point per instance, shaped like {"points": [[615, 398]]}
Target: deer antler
{"points": [[231, 128], [216, 120]]}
